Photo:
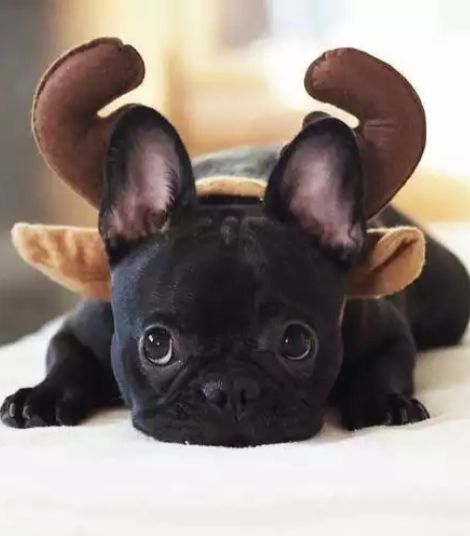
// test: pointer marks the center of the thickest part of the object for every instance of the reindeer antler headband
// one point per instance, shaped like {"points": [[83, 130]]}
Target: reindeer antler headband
{"points": [[73, 139]]}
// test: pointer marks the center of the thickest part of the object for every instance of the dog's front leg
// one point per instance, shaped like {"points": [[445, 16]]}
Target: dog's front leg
{"points": [[78, 381], [376, 382]]}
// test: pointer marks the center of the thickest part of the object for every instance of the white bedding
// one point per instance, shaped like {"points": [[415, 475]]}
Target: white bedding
{"points": [[106, 478]]}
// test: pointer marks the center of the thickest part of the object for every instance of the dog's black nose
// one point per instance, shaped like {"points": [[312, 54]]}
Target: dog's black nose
{"points": [[216, 394], [233, 396]]}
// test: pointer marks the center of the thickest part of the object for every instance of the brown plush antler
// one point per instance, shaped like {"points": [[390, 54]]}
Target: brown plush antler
{"points": [[392, 128], [71, 136]]}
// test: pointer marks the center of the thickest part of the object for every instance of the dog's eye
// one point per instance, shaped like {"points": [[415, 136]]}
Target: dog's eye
{"points": [[297, 342], [158, 346]]}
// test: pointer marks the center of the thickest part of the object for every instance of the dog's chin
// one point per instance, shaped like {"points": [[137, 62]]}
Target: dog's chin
{"points": [[229, 433]]}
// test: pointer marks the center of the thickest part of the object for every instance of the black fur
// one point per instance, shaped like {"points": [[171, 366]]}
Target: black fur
{"points": [[225, 277]]}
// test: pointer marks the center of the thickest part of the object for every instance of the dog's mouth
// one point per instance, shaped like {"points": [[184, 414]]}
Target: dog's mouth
{"points": [[246, 410], [249, 432]]}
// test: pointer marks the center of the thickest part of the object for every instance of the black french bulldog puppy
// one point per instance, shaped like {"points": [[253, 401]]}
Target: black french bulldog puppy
{"points": [[229, 323]]}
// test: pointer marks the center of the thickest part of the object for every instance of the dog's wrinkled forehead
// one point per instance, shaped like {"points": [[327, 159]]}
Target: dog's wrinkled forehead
{"points": [[214, 275], [199, 265]]}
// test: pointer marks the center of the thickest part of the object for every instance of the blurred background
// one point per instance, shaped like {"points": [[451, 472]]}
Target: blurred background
{"points": [[225, 72]]}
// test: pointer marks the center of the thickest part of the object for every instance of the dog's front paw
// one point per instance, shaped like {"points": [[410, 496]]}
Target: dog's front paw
{"points": [[42, 406], [391, 409]]}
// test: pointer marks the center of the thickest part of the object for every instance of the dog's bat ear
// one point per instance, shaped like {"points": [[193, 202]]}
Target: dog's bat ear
{"points": [[317, 185], [392, 259], [148, 178]]}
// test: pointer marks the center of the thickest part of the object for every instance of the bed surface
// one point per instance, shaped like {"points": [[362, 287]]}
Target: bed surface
{"points": [[104, 477]]}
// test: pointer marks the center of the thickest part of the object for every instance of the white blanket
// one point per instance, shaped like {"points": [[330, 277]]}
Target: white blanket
{"points": [[105, 478]]}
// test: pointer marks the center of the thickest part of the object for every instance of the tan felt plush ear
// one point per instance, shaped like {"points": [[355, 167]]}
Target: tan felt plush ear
{"points": [[394, 259], [74, 257]]}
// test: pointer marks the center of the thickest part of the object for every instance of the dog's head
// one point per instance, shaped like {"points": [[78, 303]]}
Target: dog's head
{"points": [[227, 317]]}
